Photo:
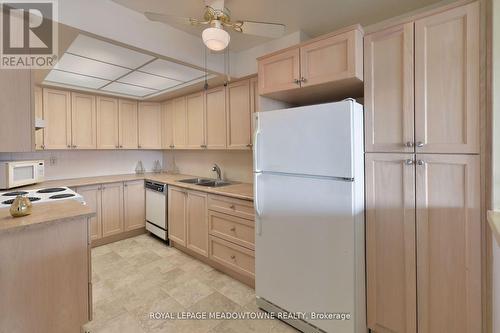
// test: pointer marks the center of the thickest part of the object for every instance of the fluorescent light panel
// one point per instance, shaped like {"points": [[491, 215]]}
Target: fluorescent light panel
{"points": [[149, 81], [107, 52], [75, 79], [79, 65], [127, 89], [172, 70]]}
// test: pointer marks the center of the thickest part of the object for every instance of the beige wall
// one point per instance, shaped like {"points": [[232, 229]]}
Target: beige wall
{"points": [[235, 165]]}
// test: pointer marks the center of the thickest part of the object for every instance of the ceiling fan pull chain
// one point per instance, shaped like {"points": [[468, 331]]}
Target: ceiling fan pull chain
{"points": [[206, 69]]}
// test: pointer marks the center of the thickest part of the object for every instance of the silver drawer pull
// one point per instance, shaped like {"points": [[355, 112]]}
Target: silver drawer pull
{"points": [[420, 162], [409, 144], [420, 144], [409, 162]]}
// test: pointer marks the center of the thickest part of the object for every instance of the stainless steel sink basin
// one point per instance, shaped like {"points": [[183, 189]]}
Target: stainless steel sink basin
{"points": [[195, 181], [205, 182]]}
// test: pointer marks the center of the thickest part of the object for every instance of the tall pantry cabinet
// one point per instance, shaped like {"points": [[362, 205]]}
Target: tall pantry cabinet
{"points": [[423, 222]]}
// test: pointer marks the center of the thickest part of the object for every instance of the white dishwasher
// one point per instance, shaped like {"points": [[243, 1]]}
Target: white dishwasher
{"points": [[156, 209]]}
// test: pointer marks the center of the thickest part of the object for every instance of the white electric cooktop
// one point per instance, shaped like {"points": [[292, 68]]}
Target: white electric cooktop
{"points": [[48, 194]]}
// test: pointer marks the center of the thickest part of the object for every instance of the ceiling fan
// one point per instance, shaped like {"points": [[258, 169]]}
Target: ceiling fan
{"points": [[218, 17]]}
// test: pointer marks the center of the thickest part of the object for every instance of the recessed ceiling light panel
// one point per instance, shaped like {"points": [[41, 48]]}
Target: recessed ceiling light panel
{"points": [[80, 65], [149, 81], [172, 70], [107, 52], [127, 89], [76, 80]]}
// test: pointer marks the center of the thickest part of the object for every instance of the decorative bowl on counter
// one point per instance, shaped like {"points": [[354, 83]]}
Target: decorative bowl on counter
{"points": [[20, 207]]}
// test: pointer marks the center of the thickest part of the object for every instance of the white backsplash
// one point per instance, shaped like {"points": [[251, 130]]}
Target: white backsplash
{"points": [[88, 163], [235, 165]]}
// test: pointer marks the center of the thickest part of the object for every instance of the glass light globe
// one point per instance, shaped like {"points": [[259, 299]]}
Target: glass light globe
{"points": [[216, 39]]}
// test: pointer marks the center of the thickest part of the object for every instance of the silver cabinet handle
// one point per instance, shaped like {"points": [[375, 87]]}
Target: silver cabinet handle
{"points": [[409, 162], [203, 146], [303, 79], [69, 146], [121, 146], [43, 146], [297, 81], [249, 145], [172, 146], [409, 144], [420, 144], [74, 146], [420, 162], [139, 146], [117, 146]]}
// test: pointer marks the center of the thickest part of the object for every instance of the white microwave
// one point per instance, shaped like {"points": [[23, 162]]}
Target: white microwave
{"points": [[20, 173]]}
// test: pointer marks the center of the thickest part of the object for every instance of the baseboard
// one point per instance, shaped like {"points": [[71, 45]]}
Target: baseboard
{"points": [[118, 237]]}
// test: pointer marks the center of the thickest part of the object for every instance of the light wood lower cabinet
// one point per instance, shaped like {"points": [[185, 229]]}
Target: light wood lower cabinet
{"points": [[92, 196], [197, 223], [134, 205], [112, 209], [423, 230], [177, 204]]}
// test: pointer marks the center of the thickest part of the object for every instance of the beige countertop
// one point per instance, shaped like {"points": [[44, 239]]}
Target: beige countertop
{"points": [[45, 213], [494, 221], [237, 190]]}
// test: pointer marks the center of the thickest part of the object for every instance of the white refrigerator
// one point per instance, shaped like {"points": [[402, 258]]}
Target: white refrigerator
{"points": [[309, 202]]}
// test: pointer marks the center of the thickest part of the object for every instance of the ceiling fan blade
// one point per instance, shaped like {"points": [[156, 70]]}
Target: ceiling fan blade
{"points": [[169, 19], [264, 29]]}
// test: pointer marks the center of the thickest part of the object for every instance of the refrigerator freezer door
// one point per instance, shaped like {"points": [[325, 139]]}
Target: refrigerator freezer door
{"points": [[310, 140], [305, 246]]}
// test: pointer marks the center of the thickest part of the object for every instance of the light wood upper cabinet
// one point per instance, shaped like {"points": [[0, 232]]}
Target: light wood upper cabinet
{"points": [[197, 222], [326, 68], [128, 128], [332, 59], [389, 90], [107, 123], [195, 111], [149, 125], [215, 103], [57, 113], [238, 103], [448, 243], [83, 121], [92, 197], [177, 214], [180, 122], [390, 243], [447, 81], [134, 198], [112, 212], [167, 120], [279, 72], [38, 93]]}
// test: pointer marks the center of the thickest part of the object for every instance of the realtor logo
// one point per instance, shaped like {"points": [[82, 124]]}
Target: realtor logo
{"points": [[29, 34]]}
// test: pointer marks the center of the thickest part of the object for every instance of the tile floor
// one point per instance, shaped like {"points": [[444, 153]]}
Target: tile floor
{"points": [[137, 276]]}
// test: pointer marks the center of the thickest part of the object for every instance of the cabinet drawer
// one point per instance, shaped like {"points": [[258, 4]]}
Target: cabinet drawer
{"points": [[236, 207], [232, 228], [232, 256]]}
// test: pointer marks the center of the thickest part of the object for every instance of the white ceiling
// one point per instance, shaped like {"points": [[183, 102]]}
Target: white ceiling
{"points": [[314, 17], [95, 64]]}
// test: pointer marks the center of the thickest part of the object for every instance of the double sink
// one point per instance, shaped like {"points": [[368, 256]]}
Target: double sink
{"points": [[205, 182]]}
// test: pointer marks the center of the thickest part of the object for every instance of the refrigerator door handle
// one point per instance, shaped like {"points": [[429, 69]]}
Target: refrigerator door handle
{"points": [[258, 223], [256, 147]]}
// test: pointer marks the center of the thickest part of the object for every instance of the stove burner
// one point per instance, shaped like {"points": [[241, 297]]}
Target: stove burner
{"points": [[61, 196], [51, 190], [10, 201], [14, 194]]}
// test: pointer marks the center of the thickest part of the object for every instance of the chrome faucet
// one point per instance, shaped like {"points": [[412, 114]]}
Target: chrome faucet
{"points": [[216, 168]]}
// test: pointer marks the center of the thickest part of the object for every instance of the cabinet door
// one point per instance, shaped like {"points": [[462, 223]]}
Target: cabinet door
{"points": [[197, 223], [134, 198], [92, 196], [112, 209], [107, 123], [389, 90], [238, 115], [195, 120], [390, 243], [279, 72], [38, 92], [57, 113], [448, 243], [332, 59], [149, 125], [177, 202], [215, 103], [447, 81], [128, 129], [180, 123], [167, 120], [83, 121]]}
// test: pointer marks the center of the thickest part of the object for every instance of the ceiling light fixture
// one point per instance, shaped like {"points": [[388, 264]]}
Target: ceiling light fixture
{"points": [[215, 37]]}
